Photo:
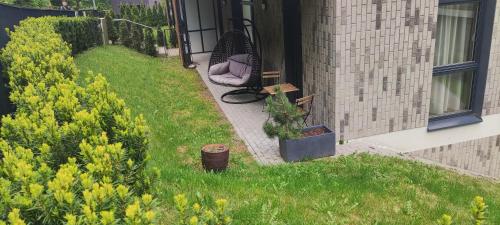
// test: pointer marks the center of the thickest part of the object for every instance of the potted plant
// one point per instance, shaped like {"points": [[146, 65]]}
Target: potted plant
{"points": [[296, 142], [215, 157]]}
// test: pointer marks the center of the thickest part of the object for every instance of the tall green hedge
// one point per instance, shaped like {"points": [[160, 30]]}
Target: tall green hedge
{"points": [[70, 154], [124, 34], [153, 16], [112, 28], [149, 43], [136, 37], [81, 33]]}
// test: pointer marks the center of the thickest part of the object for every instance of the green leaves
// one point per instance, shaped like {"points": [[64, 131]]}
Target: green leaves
{"points": [[149, 43], [81, 33], [478, 210], [204, 211], [112, 29], [150, 16], [136, 37], [286, 118], [445, 220], [124, 34], [66, 150]]}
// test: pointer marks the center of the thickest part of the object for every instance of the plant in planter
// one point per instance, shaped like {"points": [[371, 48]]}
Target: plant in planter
{"points": [[215, 157], [297, 142]]}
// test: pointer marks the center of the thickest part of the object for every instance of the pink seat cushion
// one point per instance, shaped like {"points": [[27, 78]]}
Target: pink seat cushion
{"points": [[235, 72], [239, 69], [219, 69], [242, 58], [230, 79]]}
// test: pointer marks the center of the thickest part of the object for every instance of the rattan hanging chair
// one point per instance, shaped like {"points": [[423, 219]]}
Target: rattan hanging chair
{"points": [[235, 62]]}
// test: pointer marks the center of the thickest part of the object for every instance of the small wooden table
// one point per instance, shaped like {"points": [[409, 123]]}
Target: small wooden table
{"points": [[285, 88]]}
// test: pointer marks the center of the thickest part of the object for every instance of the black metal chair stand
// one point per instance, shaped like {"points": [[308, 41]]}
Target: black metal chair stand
{"points": [[258, 95], [235, 62]]}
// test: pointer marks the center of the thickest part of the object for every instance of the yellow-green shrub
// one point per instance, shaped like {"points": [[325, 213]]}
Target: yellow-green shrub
{"points": [[70, 154], [478, 210], [203, 211]]}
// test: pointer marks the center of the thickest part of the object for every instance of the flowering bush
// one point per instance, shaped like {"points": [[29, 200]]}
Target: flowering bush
{"points": [[70, 154], [204, 211]]}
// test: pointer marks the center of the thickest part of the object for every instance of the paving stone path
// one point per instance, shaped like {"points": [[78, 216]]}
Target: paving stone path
{"points": [[248, 120]]}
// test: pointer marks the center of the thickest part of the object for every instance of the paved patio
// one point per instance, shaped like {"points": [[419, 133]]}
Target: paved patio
{"points": [[248, 120]]}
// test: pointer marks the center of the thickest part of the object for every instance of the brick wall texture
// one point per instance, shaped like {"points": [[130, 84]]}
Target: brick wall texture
{"points": [[318, 51], [481, 156], [369, 63], [492, 93]]}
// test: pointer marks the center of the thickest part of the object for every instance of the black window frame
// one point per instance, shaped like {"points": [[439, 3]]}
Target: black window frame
{"points": [[482, 45]]}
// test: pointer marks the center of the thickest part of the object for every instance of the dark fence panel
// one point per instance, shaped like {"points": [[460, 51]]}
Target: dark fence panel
{"points": [[10, 16]]}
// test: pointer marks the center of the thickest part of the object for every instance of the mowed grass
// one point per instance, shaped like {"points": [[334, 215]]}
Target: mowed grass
{"points": [[359, 189]]}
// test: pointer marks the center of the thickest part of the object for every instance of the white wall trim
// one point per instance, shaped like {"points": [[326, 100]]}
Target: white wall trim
{"points": [[419, 138]]}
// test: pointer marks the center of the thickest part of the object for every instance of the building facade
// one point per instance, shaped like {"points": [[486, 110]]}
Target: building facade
{"points": [[409, 66], [424, 71], [372, 64]]}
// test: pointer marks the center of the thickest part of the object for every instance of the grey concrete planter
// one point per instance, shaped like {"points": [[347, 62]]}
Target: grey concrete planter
{"points": [[309, 147]]}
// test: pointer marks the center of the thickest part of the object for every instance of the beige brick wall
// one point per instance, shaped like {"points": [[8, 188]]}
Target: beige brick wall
{"points": [[370, 65], [481, 156], [318, 49], [372, 60], [492, 93]]}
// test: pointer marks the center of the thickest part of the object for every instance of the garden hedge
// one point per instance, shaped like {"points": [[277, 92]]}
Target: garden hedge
{"points": [[153, 16], [81, 33], [71, 154]]}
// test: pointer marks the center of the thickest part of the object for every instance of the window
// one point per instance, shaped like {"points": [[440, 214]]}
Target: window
{"points": [[463, 39], [248, 14]]}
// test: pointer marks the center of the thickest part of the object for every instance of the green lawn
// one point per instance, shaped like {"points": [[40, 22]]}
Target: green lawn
{"points": [[349, 190]]}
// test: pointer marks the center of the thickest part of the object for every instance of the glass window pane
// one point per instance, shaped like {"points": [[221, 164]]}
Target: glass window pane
{"points": [[209, 39], [193, 20], [195, 38], [451, 93], [456, 31], [247, 10], [207, 14]]}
